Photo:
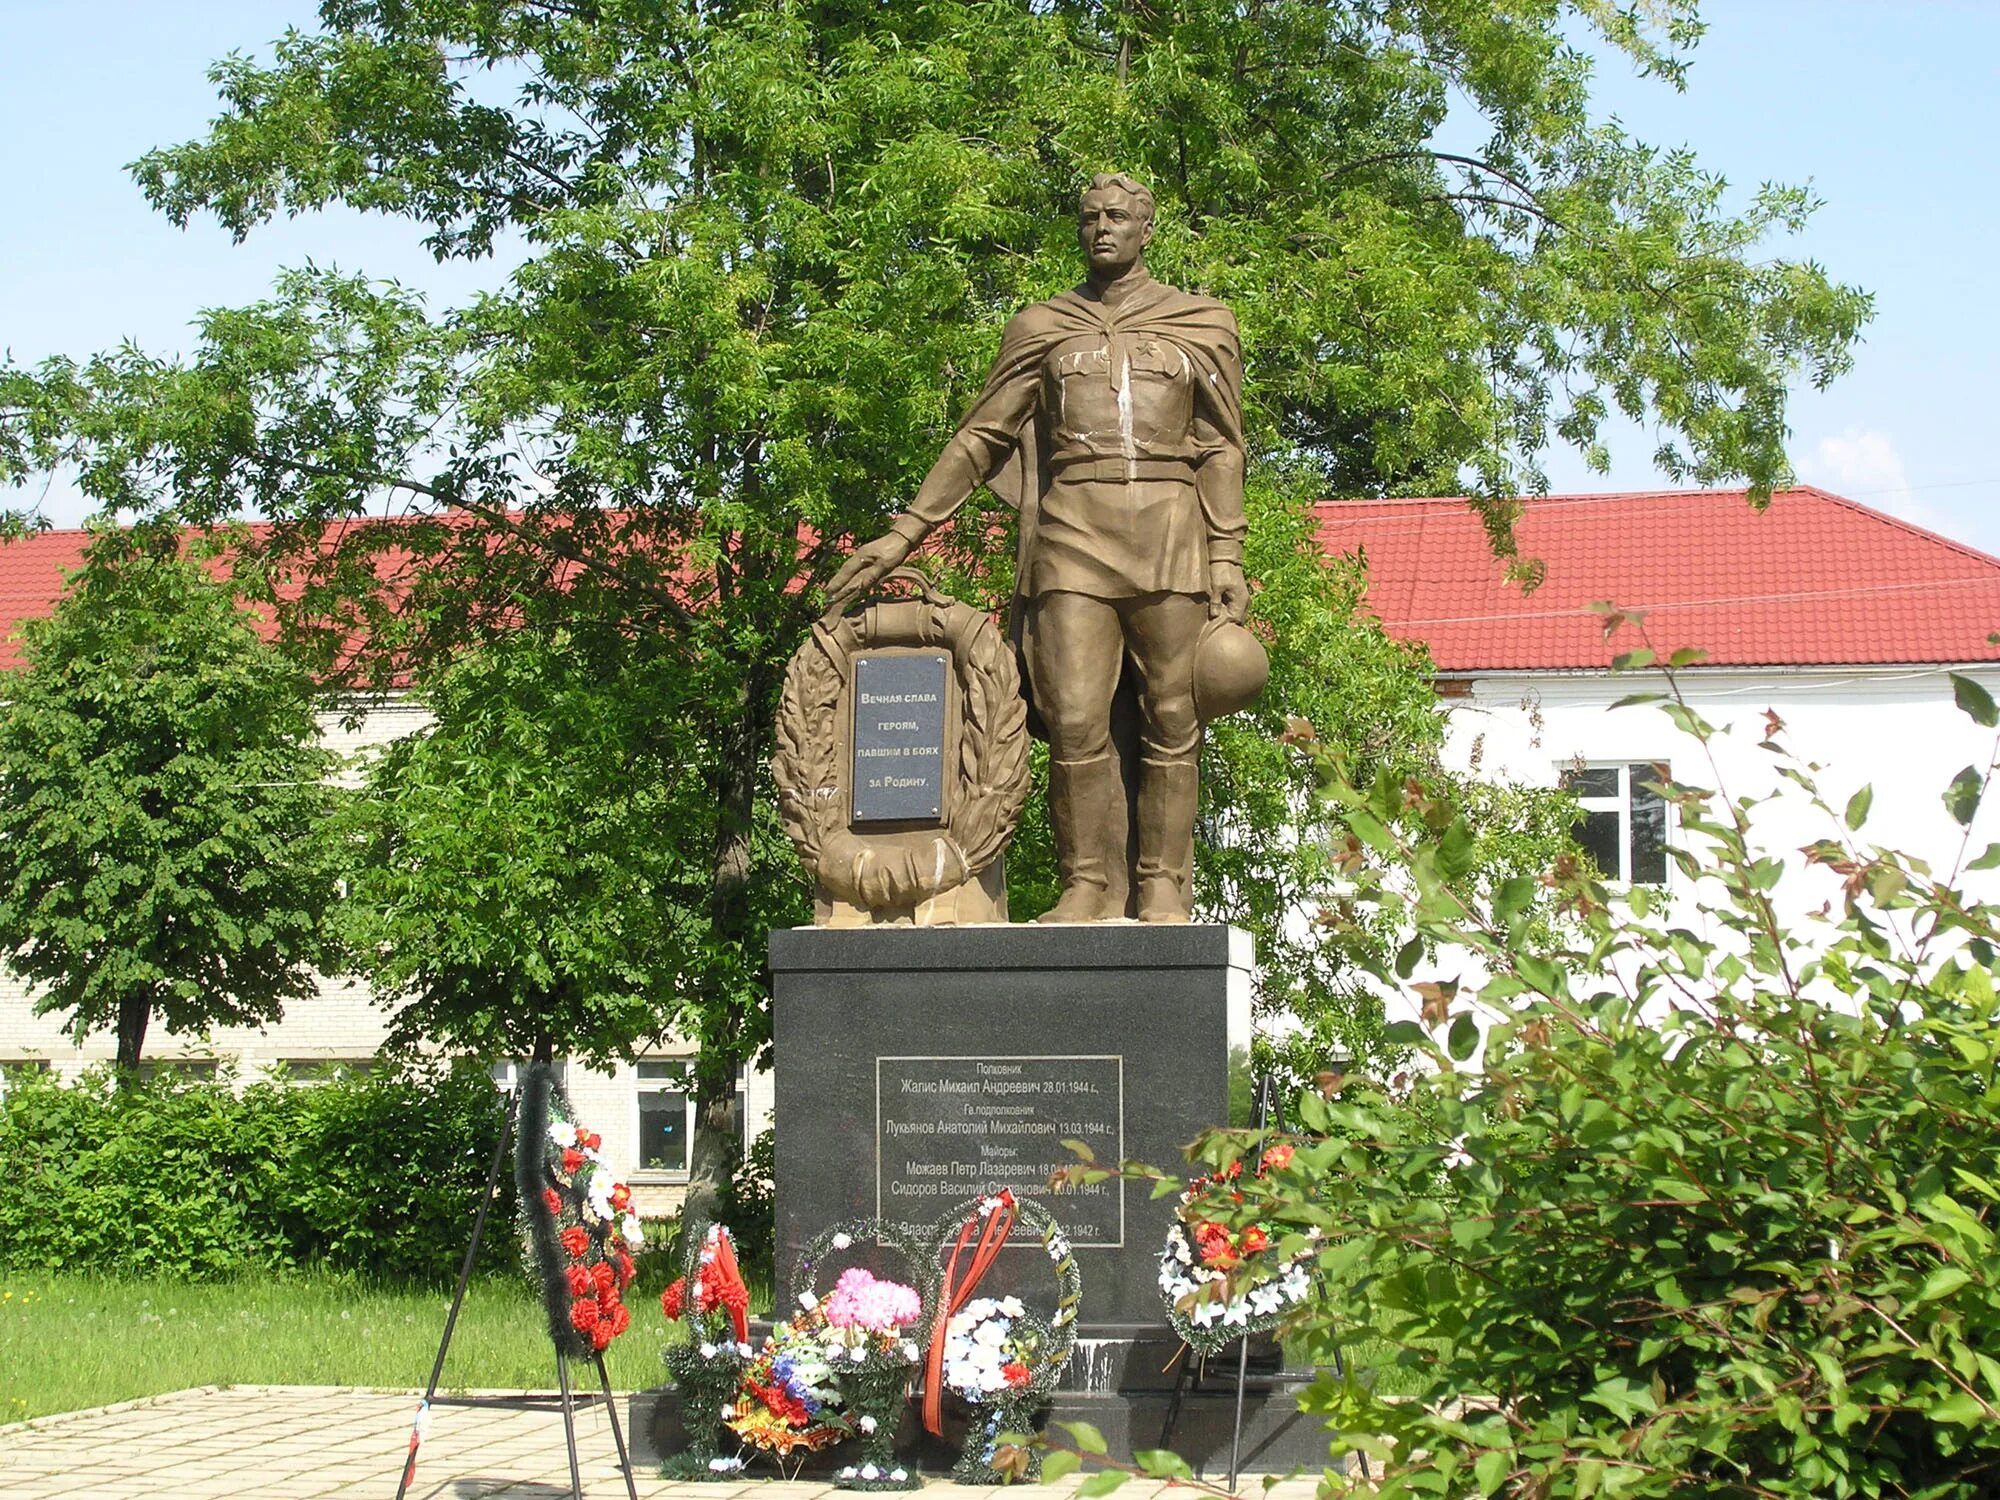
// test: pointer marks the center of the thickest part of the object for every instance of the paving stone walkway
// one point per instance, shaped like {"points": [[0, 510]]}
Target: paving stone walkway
{"points": [[299, 1442]]}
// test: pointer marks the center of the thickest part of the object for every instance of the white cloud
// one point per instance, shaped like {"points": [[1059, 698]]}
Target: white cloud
{"points": [[1865, 466]]}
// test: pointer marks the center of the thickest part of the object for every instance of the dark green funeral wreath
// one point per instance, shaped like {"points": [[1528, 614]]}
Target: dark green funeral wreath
{"points": [[995, 1354], [579, 1228]]}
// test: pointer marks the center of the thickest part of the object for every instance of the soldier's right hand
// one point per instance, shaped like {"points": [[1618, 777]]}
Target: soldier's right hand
{"points": [[870, 564]]}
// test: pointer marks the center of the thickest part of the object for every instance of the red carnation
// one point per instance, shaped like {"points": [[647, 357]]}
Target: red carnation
{"points": [[553, 1201], [572, 1159], [1212, 1241], [590, 1140], [1254, 1239], [735, 1297], [601, 1337], [671, 1299], [626, 1270], [580, 1284], [621, 1318], [583, 1313], [1279, 1155], [604, 1278], [1015, 1374], [576, 1240], [621, 1197]]}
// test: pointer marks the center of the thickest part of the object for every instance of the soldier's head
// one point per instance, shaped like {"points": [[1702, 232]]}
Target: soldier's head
{"points": [[1114, 224]]}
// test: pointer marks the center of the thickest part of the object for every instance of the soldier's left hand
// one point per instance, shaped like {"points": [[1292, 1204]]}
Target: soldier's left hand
{"points": [[1228, 592]]}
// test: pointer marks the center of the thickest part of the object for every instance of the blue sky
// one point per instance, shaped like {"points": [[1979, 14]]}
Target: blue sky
{"points": [[1885, 108]]}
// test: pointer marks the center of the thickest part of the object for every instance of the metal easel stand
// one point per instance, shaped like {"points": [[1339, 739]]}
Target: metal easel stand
{"points": [[566, 1400], [1266, 1112]]}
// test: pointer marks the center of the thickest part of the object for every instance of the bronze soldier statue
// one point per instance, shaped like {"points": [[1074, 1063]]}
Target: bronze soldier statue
{"points": [[1113, 419]]}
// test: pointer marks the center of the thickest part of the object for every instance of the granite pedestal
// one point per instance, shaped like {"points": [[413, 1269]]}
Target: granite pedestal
{"points": [[918, 1067]]}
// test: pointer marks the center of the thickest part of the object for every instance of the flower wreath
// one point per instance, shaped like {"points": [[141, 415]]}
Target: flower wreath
{"points": [[994, 1354], [846, 1358], [1220, 1284], [711, 1303], [578, 1224]]}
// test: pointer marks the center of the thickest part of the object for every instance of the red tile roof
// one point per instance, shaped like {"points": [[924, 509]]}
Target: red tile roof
{"points": [[32, 572], [1813, 580]]}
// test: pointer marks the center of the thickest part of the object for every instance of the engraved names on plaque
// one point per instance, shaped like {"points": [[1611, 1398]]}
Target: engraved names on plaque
{"points": [[949, 1127], [899, 738]]}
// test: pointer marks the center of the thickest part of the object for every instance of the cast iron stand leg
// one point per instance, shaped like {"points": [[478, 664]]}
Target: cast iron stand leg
{"points": [[1266, 1111], [617, 1433], [1236, 1434], [1340, 1369], [464, 1277], [1174, 1401], [569, 1425]]}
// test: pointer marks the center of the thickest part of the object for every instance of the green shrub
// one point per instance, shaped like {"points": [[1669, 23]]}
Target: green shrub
{"points": [[387, 1173], [1711, 1212], [193, 1179]]}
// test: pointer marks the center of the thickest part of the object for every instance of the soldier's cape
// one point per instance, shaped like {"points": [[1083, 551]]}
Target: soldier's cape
{"points": [[1203, 330]]}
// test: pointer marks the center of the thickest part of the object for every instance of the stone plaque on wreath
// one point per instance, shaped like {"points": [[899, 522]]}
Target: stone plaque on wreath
{"points": [[902, 761]]}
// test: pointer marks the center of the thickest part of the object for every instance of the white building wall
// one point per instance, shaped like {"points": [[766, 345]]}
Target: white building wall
{"points": [[342, 1025], [1894, 729]]}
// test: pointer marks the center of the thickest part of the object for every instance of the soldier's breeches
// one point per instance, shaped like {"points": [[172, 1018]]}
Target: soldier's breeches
{"points": [[1077, 648]]}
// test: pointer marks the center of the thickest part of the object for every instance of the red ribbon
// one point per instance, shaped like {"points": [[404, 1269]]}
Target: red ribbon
{"points": [[999, 1224], [727, 1275]]}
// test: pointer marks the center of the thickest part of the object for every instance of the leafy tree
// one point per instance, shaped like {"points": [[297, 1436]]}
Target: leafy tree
{"points": [[518, 893], [163, 800], [1711, 1212], [766, 251]]}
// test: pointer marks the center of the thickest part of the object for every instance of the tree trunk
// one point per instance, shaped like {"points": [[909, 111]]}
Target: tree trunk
{"points": [[712, 1154], [134, 1011]]}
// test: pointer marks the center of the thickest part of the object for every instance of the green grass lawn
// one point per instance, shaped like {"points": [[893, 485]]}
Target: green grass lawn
{"points": [[71, 1341]]}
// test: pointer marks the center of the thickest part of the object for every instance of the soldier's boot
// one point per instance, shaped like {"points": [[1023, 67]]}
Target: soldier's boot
{"points": [[1167, 789], [1087, 809]]}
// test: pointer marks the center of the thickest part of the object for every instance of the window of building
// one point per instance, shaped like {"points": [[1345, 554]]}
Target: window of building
{"points": [[666, 1115], [15, 1070], [323, 1069], [506, 1076], [1623, 822], [177, 1070]]}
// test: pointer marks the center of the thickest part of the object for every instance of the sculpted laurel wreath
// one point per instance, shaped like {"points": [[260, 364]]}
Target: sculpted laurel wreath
{"points": [[992, 760]]}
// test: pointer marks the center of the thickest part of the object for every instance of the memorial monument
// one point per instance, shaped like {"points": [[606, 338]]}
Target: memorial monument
{"points": [[1113, 423], [927, 1050]]}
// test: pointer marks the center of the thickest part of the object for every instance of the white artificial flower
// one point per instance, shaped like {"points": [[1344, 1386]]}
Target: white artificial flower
{"points": [[989, 1333], [858, 1354], [898, 1475], [599, 1192], [910, 1351], [632, 1230], [708, 1351], [808, 1301], [848, 1472], [745, 1350], [562, 1132], [1012, 1307], [868, 1424], [726, 1410], [869, 1471], [842, 1241]]}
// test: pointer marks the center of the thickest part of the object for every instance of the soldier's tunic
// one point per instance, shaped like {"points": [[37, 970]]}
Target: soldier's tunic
{"points": [[1117, 430]]}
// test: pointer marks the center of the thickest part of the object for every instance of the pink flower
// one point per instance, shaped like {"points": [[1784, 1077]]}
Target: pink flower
{"points": [[860, 1301]]}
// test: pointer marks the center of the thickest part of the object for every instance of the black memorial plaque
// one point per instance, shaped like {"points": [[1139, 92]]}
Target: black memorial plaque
{"points": [[949, 1127], [899, 708]]}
